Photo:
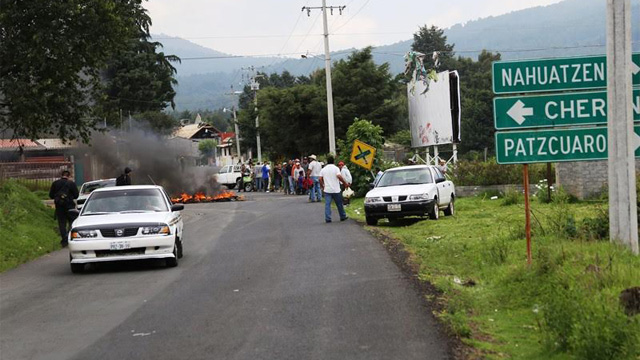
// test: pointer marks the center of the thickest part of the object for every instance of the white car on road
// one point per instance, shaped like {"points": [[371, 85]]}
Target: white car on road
{"points": [[417, 190], [87, 188], [126, 223]]}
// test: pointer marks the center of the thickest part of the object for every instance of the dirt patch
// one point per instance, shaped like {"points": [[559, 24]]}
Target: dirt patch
{"points": [[431, 297]]}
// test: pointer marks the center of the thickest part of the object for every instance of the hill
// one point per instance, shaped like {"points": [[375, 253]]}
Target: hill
{"points": [[568, 28]]}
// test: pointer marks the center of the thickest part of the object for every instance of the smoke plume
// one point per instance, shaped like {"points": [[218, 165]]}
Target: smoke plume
{"points": [[153, 157]]}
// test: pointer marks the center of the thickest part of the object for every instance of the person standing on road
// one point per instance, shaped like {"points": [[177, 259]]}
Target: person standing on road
{"points": [[290, 177], [330, 180], [63, 191], [265, 176], [277, 177], [315, 195], [124, 178]]}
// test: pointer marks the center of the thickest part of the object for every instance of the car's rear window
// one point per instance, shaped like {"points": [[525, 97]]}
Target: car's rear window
{"points": [[405, 177], [133, 200], [88, 188]]}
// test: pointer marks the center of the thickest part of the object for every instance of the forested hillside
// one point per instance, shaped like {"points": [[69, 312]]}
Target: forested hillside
{"points": [[572, 27]]}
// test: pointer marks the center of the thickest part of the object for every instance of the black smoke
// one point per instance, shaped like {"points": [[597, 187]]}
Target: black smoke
{"points": [[153, 157]]}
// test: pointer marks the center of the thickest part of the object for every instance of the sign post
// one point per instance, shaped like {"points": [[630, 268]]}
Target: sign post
{"points": [[362, 154], [613, 102], [527, 211]]}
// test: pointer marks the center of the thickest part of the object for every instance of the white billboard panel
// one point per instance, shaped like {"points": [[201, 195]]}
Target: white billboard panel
{"points": [[434, 114]]}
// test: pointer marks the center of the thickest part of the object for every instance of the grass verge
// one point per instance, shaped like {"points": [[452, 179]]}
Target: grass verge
{"points": [[565, 306], [27, 227]]}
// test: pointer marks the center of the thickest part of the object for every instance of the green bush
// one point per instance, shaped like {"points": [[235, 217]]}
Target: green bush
{"points": [[591, 326], [512, 197], [366, 132], [595, 228]]}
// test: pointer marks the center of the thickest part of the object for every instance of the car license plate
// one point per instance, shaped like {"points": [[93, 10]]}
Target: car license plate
{"points": [[394, 207], [119, 245]]}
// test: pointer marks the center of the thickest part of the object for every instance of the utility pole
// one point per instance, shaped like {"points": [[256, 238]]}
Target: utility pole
{"points": [[235, 122], [623, 220], [327, 68], [255, 86]]}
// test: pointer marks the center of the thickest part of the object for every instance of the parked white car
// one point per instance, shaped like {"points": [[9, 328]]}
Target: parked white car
{"points": [[229, 175], [417, 190], [87, 188], [126, 223]]}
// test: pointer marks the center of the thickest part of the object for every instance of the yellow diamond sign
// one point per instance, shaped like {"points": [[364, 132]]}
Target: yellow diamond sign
{"points": [[362, 154]]}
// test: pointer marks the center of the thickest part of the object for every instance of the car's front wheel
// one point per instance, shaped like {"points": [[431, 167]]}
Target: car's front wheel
{"points": [[371, 221], [173, 262], [434, 214], [450, 209]]}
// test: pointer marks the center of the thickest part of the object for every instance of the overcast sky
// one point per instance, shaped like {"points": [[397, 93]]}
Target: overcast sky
{"points": [[279, 27]]}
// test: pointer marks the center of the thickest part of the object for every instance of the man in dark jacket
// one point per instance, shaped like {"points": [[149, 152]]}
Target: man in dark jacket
{"points": [[63, 191], [125, 178]]}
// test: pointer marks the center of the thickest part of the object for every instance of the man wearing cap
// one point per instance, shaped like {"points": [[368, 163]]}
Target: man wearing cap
{"points": [[315, 195], [124, 178]]}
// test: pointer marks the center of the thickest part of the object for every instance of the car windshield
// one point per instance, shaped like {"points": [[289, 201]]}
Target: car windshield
{"points": [[131, 200], [405, 177], [87, 188]]}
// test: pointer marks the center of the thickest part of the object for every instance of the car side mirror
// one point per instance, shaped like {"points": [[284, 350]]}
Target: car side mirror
{"points": [[371, 186], [439, 180], [177, 207]]}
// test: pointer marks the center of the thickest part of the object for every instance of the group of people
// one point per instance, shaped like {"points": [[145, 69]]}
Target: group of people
{"points": [[302, 177]]}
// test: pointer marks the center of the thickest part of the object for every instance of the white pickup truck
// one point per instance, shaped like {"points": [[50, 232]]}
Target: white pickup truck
{"points": [[229, 175]]}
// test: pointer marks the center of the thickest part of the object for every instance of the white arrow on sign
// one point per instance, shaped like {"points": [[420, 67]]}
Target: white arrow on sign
{"points": [[635, 68], [637, 139], [518, 112]]}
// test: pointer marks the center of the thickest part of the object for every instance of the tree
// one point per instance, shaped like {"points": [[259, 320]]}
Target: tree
{"points": [[476, 102], [430, 39], [207, 148], [158, 121], [362, 89], [368, 133], [139, 79], [52, 52]]}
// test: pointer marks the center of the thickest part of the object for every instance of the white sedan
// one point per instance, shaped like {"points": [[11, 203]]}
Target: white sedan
{"points": [[126, 223], [418, 190]]}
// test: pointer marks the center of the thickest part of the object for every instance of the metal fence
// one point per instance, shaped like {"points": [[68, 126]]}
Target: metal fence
{"points": [[34, 175]]}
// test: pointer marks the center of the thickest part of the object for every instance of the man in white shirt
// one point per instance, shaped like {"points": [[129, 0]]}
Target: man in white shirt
{"points": [[330, 180], [314, 174]]}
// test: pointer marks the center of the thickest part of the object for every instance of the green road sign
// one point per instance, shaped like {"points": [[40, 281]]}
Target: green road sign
{"points": [[573, 73], [562, 109], [555, 145]]}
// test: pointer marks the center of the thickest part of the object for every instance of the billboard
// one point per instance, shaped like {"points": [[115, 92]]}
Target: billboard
{"points": [[434, 110]]}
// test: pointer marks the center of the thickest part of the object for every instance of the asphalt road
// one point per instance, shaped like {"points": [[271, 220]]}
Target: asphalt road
{"points": [[260, 279]]}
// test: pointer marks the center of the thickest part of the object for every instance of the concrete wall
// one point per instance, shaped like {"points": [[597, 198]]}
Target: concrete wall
{"points": [[585, 178]]}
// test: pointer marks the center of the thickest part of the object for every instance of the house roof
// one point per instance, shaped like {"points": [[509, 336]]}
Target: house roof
{"points": [[56, 144], [191, 130], [14, 144]]}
